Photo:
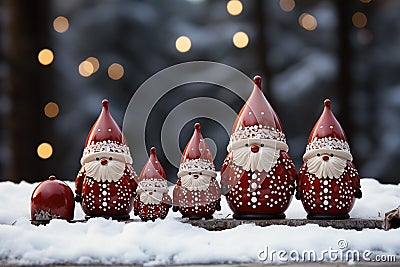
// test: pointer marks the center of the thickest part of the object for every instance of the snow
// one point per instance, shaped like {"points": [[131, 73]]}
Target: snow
{"points": [[169, 241]]}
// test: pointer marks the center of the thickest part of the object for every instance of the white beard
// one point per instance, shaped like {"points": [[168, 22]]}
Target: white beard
{"points": [[155, 198], [333, 168], [263, 160], [110, 172], [201, 183]]}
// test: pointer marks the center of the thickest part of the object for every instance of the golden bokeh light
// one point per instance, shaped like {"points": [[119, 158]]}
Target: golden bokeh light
{"points": [[240, 39], [234, 7], [183, 44], [287, 5], [308, 22], [46, 56], [86, 68], [61, 24], [366, 1], [51, 110], [95, 63], [44, 150], [115, 71], [359, 20]]}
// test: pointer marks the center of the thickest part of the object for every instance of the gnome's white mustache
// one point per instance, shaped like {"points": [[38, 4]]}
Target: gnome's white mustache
{"points": [[255, 157], [151, 197], [195, 182], [103, 170], [325, 166]]}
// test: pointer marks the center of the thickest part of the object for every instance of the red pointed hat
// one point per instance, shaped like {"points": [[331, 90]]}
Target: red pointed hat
{"points": [[153, 168], [258, 120], [197, 155], [106, 139], [327, 135], [153, 174]]}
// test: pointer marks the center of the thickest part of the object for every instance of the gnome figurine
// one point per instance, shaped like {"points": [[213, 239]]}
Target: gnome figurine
{"points": [[197, 193], [152, 200], [106, 184], [258, 176], [328, 182]]}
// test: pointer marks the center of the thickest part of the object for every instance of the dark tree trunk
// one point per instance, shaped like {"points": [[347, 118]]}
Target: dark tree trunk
{"points": [[260, 20], [345, 81], [28, 86]]}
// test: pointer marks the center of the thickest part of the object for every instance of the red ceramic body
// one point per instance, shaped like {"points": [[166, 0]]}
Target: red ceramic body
{"points": [[259, 194], [108, 198], [195, 203], [152, 211], [52, 199], [152, 177], [328, 197]]}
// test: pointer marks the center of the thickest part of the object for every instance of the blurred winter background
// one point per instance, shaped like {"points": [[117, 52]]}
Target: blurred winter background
{"points": [[59, 59]]}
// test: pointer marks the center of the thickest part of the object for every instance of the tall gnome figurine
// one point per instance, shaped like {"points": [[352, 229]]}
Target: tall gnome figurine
{"points": [[197, 193], [106, 184], [328, 182], [258, 176], [152, 200]]}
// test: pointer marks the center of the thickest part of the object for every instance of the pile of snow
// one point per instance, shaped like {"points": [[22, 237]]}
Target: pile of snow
{"points": [[101, 241]]}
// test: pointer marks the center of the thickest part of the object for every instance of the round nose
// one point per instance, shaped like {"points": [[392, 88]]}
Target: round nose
{"points": [[103, 162], [255, 148], [325, 158], [195, 176], [150, 193]]}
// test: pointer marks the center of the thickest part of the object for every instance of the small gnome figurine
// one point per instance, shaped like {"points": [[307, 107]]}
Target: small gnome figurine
{"points": [[106, 184], [152, 200], [328, 182], [197, 193], [258, 176]]}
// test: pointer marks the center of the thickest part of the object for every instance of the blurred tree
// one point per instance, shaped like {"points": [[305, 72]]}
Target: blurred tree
{"points": [[28, 86]]}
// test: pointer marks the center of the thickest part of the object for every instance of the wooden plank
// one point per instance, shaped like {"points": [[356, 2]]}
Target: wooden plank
{"points": [[228, 223], [222, 224]]}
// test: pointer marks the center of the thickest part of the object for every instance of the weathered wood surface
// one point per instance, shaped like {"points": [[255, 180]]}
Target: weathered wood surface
{"points": [[228, 223], [222, 224]]}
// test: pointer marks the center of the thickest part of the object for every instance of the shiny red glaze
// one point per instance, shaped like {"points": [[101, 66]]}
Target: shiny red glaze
{"points": [[271, 194], [107, 198], [52, 199], [327, 125], [109, 129], [325, 196], [195, 203], [254, 148], [152, 170], [249, 115]]}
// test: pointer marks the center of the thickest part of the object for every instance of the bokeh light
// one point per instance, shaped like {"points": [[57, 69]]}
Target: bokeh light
{"points": [[183, 44], [61, 24], [115, 71], [308, 21], [240, 39], [46, 56], [95, 63], [359, 20], [234, 7], [86, 68], [44, 150], [365, 1], [287, 5], [51, 110]]}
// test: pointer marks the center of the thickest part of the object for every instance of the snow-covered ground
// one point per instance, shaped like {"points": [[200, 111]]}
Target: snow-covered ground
{"points": [[101, 241]]}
